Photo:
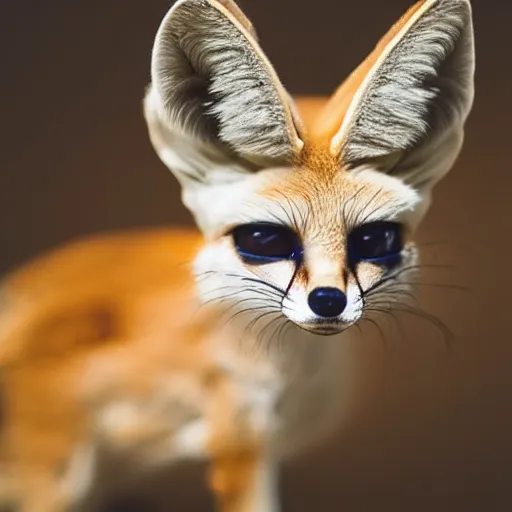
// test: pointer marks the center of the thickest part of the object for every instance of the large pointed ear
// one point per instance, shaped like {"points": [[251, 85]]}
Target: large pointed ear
{"points": [[403, 110], [216, 108]]}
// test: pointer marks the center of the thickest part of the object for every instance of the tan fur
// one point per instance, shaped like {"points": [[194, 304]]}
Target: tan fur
{"points": [[147, 346]]}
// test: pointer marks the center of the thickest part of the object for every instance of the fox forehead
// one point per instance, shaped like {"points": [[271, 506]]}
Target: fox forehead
{"points": [[321, 206]]}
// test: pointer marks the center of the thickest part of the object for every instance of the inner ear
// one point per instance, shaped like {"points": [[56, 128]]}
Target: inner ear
{"points": [[216, 84], [182, 78]]}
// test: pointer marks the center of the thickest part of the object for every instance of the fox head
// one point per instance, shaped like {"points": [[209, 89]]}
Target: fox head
{"points": [[311, 223]]}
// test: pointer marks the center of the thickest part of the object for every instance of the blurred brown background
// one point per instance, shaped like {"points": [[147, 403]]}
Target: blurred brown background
{"points": [[431, 430]]}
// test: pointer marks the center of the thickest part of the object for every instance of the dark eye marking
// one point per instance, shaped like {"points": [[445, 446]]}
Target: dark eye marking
{"points": [[260, 243], [378, 242]]}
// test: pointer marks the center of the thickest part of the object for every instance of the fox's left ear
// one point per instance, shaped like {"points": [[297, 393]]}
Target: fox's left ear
{"points": [[403, 110]]}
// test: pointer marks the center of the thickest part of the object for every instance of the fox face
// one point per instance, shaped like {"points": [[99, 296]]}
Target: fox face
{"points": [[311, 223], [309, 250]]}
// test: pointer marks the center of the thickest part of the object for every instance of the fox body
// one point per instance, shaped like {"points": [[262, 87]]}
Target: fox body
{"points": [[163, 345]]}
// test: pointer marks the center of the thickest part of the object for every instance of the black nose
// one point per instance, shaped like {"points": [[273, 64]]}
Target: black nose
{"points": [[327, 302]]}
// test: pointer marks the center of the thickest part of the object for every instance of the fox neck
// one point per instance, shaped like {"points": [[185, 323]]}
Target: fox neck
{"points": [[275, 347]]}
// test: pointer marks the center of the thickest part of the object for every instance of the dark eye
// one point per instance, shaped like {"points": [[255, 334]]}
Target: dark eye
{"points": [[264, 243], [375, 241]]}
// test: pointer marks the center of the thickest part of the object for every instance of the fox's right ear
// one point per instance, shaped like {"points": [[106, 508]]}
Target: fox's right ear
{"points": [[403, 110], [216, 108]]}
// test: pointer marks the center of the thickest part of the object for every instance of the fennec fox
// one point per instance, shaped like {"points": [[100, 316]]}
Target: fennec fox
{"points": [[160, 346]]}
